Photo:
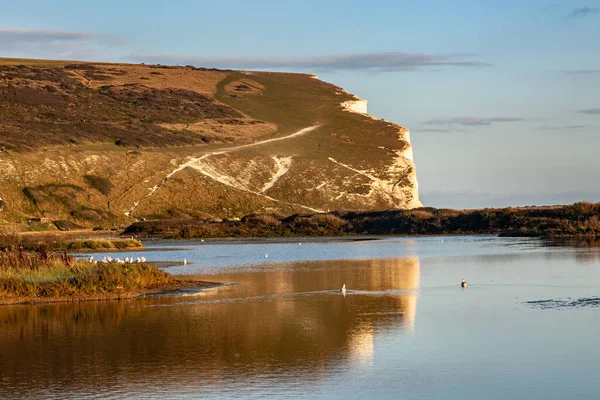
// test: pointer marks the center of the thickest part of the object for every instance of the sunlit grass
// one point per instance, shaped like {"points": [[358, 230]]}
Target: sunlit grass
{"points": [[47, 274], [57, 243]]}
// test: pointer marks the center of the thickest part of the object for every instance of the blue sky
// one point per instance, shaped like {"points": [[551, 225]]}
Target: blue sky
{"points": [[502, 98]]}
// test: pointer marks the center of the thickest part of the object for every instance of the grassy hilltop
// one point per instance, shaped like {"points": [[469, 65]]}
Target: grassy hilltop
{"points": [[101, 145]]}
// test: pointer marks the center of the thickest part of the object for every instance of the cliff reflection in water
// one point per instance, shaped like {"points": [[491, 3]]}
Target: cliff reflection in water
{"points": [[278, 319]]}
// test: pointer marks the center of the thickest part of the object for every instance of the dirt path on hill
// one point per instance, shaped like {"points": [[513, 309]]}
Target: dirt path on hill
{"points": [[212, 175]]}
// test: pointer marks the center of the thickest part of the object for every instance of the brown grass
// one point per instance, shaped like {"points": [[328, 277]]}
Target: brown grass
{"points": [[203, 82], [54, 243], [43, 274], [67, 104], [99, 183], [226, 130]]}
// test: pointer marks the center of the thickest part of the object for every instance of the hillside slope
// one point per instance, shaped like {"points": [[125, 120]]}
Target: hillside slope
{"points": [[105, 144]]}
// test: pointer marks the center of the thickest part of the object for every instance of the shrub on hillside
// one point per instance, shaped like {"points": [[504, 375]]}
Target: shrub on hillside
{"points": [[99, 183]]}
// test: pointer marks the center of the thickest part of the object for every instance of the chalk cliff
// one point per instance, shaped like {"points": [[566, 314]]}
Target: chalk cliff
{"points": [[104, 144]]}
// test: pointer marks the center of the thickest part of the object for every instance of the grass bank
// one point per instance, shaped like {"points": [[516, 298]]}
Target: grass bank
{"points": [[57, 243], [579, 219], [42, 276]]}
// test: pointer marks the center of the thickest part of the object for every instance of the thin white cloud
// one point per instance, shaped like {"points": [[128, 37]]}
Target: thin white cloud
{"points": [[561, 127], [41, 35], [583, 12], [444, 129], [40, 43], [470, 121], [582, 71], [590, 111], [383, 62]]}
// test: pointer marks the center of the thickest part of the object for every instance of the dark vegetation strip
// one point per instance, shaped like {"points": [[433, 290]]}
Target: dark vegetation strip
{"points": [[579, 219]]}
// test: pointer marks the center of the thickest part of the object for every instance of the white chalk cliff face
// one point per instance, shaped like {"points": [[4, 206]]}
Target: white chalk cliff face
{"points": [[358, 106], [400, 180]]}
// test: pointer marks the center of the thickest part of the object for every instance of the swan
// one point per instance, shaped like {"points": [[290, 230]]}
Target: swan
{"points": [[343, 289], [185, 261], [267, 255], [463, 283]]}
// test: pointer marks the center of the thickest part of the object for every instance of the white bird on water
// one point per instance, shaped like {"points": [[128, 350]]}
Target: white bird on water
{"points": [[266, 255], [185, 261], [343, 289], [463, 284]]}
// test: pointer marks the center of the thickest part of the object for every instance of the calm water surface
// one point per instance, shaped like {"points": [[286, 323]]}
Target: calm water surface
{"points": [[404, 329]]}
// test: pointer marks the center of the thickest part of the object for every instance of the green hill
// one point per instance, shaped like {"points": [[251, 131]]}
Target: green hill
{"points": [[104, 144]]}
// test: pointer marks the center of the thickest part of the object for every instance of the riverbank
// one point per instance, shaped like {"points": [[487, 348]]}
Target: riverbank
{"points": [[42, 276], [174, 289], [55, 242], [579, 219]]}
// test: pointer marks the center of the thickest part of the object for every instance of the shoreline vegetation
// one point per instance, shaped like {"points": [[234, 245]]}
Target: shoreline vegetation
{"points": [[579, 219], [59, 243], [30, 272]]}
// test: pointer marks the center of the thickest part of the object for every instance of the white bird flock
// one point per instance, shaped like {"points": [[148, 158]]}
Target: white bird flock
{"points": [[127, 260]]}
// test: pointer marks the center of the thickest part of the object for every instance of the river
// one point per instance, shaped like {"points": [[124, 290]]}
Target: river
{"points": [[526, 326]]}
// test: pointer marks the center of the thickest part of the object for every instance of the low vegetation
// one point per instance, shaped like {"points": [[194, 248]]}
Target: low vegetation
{"points": [[39, 275], [99, 183], [36, 273], [57, 243], [54, 105], [580, 219]]}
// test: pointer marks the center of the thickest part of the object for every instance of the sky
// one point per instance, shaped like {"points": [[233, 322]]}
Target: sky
{"points": [[502, 98]]}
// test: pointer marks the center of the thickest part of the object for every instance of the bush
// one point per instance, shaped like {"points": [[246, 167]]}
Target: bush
{"points": [[99, 183]]}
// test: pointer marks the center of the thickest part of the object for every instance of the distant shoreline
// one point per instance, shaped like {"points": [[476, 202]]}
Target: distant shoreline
{"points": [[580, 219]]}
